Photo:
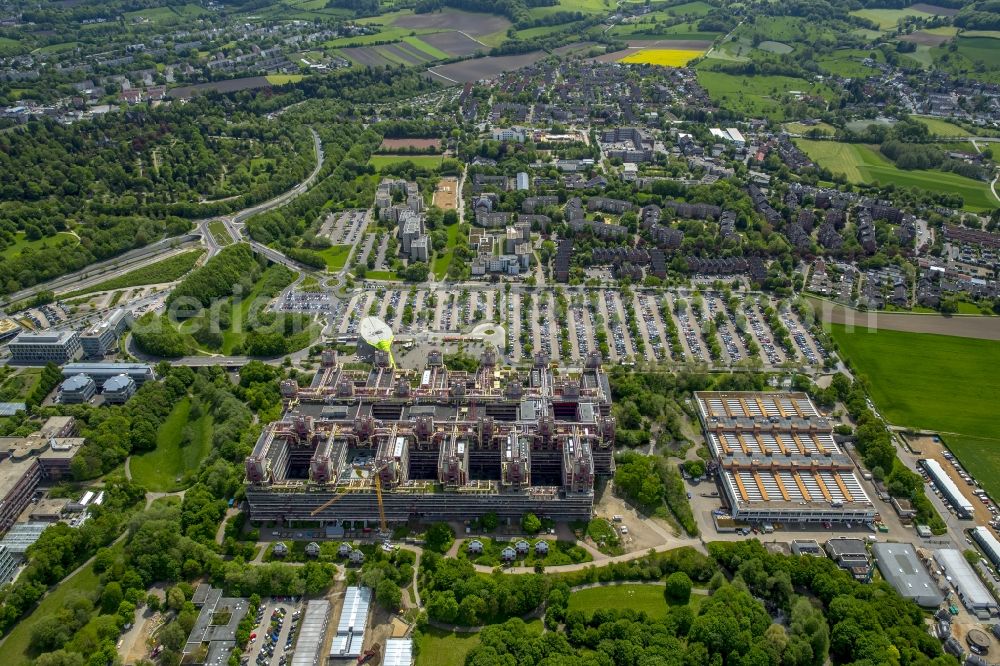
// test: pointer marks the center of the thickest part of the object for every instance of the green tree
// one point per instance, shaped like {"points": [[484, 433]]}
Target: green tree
{"points": [[678, 589], [530, 523]]}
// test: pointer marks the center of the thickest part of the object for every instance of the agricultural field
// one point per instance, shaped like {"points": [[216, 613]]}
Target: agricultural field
{"points": [[863, 164], [182, 442], [662, 57], [846, 62], [426, 161], [22, 243], [803, 128], [583, 6], [980, 49], [887, 19], [757, 96], [650, 30], [935, 382], [941, 128], [482, 68]]}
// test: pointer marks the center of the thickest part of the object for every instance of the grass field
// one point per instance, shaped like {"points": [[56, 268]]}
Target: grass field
{"points": [[863, 164], [443, 260], [648, 598], [935, 382], [421, 45], [164, 468], [15, 648], [18, 386], [980, 49], [802, 128], [662, 57], [167, 270], [887, 18], [21, 243], [219, 232], [336, 256], [446, 648], [282, 79], [846, 62], [382, 275], [426, 161], [757, 96], [941, 127]]}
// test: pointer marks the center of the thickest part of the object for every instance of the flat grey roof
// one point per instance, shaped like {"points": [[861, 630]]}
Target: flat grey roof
{"points": [[901, 567]]}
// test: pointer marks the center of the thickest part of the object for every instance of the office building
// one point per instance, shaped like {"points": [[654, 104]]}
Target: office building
{"points": [[102, 338], [25, 461], [8, 565], [213, 636], [77, 389], [30, 348], [102, 372], [119, 389]]}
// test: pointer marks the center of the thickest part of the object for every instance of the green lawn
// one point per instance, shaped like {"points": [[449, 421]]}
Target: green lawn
{"points": [[21, 243], [381, 275], [757, 96], [443, 259], [167, 270], [426, 161], [443, 648], [164, 469], [937, 382], [863, 164], [336, 256], [647, 598], [15, 647], [219, 232], [980, 49], [846, 62]]}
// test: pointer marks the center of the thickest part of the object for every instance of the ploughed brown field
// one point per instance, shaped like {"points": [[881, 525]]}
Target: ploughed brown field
{"points": [[390, 145]]}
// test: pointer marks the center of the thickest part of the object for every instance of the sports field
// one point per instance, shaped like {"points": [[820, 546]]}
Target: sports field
{"points": [[163, 469], [935, 382], [662, 57], [863, 164]]}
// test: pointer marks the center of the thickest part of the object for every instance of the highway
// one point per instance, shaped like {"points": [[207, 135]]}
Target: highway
{"points": [[123, 263]]}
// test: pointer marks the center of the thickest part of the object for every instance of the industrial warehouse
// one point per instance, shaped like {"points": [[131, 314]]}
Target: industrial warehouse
{"points": [[777, 460], [434, 444]]}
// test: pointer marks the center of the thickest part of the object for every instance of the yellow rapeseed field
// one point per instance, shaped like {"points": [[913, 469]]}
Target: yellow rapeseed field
{"points": [[664, 57]]}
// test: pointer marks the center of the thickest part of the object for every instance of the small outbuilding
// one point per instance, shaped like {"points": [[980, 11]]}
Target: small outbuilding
{"points": [[344, 550], [312, 549], [542, 548], [508, 554], [356, 557], [280, 549], [475, 547], [522, 547]]}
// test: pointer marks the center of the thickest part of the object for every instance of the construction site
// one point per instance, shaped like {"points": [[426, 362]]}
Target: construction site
{"points": [[387, 445]]}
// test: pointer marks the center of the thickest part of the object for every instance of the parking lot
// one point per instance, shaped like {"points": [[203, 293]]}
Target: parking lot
{"points": [[665, 326], [273, 634]]}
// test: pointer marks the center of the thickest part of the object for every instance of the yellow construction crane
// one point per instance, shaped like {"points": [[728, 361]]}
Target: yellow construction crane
{"points": [[325, 505]]}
